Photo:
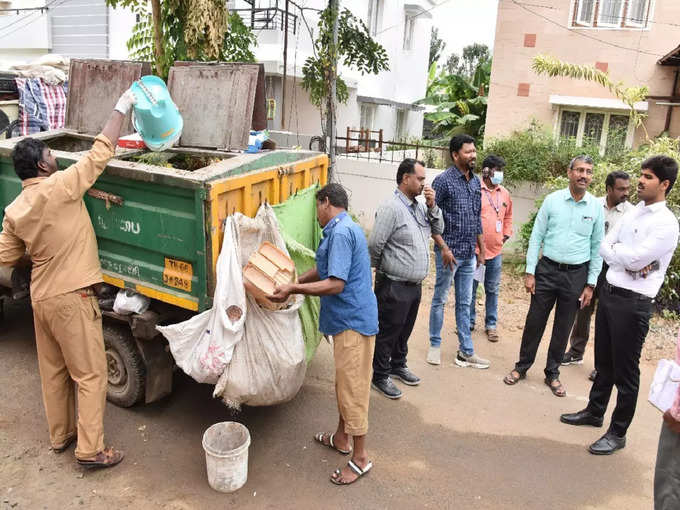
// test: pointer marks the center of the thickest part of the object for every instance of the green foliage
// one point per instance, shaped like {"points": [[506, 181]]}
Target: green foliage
{"points": [[534, 155], [437, 46], [183, 38], [473, 56], [547, 163], [355, 49], [460, 101]]}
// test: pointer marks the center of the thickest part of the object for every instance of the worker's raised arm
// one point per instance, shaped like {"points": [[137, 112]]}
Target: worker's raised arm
{"points": [[81, 176]]}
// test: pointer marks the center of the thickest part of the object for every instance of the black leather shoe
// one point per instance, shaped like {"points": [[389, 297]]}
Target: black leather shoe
{"points": [[405, 376], [387, 388], [584, 417], [607, 444], [593, 375]]}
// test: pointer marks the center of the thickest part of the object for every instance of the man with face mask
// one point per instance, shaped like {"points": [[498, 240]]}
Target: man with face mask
{"points": [[568, 228], [615, 204], [400, 252], [459, 196], [638, 251], [49, 220], [497, 226]]}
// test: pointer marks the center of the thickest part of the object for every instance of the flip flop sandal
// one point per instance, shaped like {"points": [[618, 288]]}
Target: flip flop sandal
{"points": [[335, 477], [319, 438], [67, 443], [108, 457], [558, 390], [511, 379]]}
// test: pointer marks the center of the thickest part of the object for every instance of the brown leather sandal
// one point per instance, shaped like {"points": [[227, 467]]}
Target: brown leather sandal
{"points": [[65, 445], [511, 379], [108, 457], [557, 390]]}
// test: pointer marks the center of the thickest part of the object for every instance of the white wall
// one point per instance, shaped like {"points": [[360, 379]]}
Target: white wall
{"points": [[121, 22]]}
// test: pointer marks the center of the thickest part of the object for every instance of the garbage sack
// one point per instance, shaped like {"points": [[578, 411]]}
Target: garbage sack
{"points": [[128, 301], [203, 345], [268, 365]]}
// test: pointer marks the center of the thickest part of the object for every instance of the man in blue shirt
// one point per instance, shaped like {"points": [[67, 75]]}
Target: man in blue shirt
{"points": [[569, 227], [459, 196], [349, 312]]}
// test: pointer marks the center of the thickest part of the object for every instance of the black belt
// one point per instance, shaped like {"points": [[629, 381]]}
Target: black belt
{"points": [[612, 289], [564, 267], [409, 284]]}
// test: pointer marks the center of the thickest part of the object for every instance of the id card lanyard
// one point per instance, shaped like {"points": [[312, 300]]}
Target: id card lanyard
{"points": [[497, 208]]}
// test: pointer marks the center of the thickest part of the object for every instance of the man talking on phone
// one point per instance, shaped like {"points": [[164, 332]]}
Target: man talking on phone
{"points": [[400, 252]]}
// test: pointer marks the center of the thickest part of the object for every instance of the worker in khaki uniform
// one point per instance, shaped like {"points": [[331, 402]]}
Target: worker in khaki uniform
{"points": [[49, 222]]}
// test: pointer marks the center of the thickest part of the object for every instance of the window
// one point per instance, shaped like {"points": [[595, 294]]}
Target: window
{"points": [[367, 114], [402, 119], [409, 25], [586, 10], [373, 16], [611, 13], [610, 131]]}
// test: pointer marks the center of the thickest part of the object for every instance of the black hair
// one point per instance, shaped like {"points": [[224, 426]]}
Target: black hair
{"points": [[408, 166], [581, 157], [335, 193], [664, 167], [26, 155], [493, 161], [457, 142], [610, 181]]}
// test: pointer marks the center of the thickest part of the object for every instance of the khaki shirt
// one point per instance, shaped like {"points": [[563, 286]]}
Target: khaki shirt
{"points": [[49, 220]]}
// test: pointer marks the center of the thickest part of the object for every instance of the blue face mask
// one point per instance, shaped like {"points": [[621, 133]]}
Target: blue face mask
{"points": [[497, 178]]}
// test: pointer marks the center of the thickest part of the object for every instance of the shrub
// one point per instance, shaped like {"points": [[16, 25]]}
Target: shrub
{"points": [[552, 172]]}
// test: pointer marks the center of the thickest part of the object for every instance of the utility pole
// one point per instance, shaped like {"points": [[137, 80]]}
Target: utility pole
{"points": [[333, 75], [285, 68]]}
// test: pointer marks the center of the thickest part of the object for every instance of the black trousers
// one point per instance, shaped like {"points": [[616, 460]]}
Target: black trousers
{"points": [[621, 325], [559, 286], [581, 331], [398, 304]]}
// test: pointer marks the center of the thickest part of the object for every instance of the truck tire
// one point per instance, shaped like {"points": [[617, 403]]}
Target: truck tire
{"points": [[126, 372]]}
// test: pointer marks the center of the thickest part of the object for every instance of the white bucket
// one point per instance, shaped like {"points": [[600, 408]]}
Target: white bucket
{"points": [[226, 455]]}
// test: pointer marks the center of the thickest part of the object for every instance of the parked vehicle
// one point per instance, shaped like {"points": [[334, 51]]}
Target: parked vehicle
{"points": [[159, 217]]}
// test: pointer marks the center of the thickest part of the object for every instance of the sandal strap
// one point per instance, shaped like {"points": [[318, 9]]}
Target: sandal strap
{"points": [[355, 468]]}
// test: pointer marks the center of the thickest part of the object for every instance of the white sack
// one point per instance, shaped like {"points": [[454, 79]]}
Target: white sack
{"points": [[203, 345]]}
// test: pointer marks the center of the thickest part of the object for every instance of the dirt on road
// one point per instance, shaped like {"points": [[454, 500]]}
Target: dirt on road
{"points": [[462, 439]]}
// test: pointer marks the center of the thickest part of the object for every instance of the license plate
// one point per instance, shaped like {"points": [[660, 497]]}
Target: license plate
{"points": [[178, 274]]}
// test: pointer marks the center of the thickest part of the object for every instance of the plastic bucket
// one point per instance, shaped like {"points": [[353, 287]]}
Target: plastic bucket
{"points": [[226, 455]]}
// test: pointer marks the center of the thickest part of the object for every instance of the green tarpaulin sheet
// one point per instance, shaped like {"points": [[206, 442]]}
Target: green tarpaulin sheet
{"points": [[301, 232]]}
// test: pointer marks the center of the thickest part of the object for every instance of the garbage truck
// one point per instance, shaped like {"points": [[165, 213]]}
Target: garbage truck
{"points": [[159, 216]]}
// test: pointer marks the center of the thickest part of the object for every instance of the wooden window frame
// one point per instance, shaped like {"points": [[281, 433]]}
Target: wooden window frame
{"points": [[630, 131]]}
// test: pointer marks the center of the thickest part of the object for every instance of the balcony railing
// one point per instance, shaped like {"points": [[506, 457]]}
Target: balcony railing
{"points": [[269, 18]]}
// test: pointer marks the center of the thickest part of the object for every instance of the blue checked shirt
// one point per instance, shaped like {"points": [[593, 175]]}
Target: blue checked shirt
{"points": [[461, 202]]}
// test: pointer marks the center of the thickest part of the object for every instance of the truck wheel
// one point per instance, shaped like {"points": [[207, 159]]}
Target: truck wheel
{"points": [[126, 371]]}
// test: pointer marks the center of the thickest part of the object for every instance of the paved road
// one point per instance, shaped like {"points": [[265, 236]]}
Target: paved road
{"points": [[460, 440]]}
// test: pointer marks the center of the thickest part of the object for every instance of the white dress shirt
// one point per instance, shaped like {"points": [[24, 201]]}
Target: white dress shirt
{"points": [[644, 235], [613, 215]]}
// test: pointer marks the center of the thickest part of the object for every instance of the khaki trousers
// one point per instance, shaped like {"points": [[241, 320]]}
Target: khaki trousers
{"points": [[70, 343], [353, 354]]}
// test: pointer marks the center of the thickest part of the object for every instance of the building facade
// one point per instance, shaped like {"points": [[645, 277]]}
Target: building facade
{"points": [[90, 29], [635, 41]]}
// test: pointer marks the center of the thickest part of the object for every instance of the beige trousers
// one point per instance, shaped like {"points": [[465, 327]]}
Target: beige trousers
{"points": [[70, 343], [353, 354]]}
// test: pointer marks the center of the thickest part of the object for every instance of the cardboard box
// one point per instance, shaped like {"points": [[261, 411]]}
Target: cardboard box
{"points": [[267, 268]]}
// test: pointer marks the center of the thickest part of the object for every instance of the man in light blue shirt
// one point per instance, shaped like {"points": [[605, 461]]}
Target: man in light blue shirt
{"points": [[569, 228]]}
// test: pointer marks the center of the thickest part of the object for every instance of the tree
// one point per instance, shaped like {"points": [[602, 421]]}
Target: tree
{"points": [[545, 64], [186, 30], [355, 49], [473, 55], [460, 102], [437, 46]]}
